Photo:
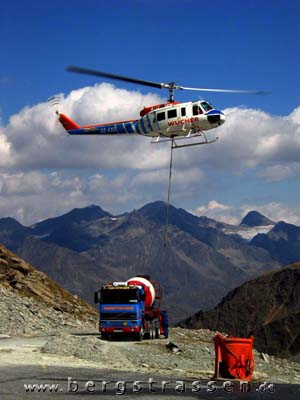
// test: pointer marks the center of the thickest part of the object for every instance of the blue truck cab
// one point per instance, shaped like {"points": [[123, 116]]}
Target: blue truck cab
{"points": [[122, 310]]}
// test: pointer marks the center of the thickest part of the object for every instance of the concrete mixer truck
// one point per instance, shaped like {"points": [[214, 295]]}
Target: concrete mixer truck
{"points": [[132, 308]]}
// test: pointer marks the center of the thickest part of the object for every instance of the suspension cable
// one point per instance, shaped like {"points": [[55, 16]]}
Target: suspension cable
{"points": [[169, 193]]}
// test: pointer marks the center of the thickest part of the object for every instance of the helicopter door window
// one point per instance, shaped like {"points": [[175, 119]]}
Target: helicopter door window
{"points": [[197, 110], [172, 113], [161, 116], [183, 112]]}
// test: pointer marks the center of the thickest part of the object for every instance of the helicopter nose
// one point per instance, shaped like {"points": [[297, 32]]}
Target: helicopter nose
{"points": [[222, 119], [215, 117]]}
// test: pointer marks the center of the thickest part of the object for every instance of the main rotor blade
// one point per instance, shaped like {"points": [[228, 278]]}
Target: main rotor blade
{"points": [[223, 90], [101, 74], [170, 86]]}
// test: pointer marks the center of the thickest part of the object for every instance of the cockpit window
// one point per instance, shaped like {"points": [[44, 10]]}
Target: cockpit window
{"points": [[206, 106]]}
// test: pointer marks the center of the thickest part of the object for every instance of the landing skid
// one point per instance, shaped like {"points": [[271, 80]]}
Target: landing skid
{"points": [[163, 139]]}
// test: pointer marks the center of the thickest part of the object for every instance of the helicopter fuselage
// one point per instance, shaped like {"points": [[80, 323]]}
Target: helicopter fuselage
{"points": [[161, 120]]}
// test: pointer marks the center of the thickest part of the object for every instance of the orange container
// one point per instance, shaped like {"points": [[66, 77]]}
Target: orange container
{"points": [[234, 357]]}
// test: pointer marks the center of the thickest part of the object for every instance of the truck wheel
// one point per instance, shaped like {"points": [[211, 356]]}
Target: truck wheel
{"points": [[104, 336], [140, 335], [152, 332], [156, 333]]}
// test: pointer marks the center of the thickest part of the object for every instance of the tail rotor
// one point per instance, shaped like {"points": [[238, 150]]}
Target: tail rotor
{"points": [[55, 102]]}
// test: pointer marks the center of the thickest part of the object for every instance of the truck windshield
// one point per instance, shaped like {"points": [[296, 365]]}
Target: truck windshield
{"points": [[119, 296]]}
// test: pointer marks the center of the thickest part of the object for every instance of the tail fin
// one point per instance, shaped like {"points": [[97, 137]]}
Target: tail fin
{"points": [[67, 123]]}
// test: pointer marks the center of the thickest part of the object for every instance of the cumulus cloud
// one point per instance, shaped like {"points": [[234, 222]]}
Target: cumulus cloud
{"points": [[280, 172], [34, 139], [44, 172], [22, 183], [31, 196], [252, 138], [218, 211], [182, 179], [34, 195], [37, 140], [5, 155]]}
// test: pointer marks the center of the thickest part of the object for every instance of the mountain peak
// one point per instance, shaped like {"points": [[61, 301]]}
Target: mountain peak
{"points": [[155, 210], [255, 218], [9, 222], [77, 215], [177, 216], [89, 213]]}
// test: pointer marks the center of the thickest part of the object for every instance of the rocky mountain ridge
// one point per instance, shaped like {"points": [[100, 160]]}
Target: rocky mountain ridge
{"points": [[204, 258], [267, 306], [283, 241]]}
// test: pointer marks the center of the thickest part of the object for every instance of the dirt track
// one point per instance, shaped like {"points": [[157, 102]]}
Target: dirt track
{"points": [[195, 360]]}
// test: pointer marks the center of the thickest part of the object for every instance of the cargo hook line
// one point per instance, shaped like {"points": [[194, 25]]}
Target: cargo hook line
{"points": [[169, 191]]}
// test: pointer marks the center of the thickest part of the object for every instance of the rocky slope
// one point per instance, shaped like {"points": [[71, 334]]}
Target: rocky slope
{"points": [[31, 302], [267, 306]]}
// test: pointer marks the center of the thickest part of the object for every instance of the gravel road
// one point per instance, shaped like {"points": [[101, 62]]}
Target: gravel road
{"points": [[86, 350]]}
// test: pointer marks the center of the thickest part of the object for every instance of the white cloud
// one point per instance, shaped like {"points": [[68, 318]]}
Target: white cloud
{"points": [[280, 172], [180, 178], [5, 154], [250, 138], [22, 183], [32, 196], [34, 143], [34, 139], [37, 140], [218, 211]]}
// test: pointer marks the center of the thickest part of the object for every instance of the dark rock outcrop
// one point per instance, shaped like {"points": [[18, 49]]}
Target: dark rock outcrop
{"points": [[267, 306]]}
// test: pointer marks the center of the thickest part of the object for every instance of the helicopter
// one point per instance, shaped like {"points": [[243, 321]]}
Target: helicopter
{"points": [[169, 121]]}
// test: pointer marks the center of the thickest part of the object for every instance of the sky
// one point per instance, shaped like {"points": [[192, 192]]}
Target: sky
{"points": [[255, 164]]}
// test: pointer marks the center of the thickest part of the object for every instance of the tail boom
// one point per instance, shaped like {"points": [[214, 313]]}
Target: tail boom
{"points": [[67, 123], [114, 128]]}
